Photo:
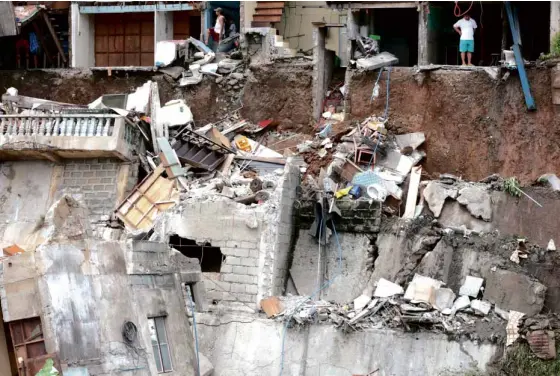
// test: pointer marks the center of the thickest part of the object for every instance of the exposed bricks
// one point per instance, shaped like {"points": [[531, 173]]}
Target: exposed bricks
{"points": [[95, 179]]}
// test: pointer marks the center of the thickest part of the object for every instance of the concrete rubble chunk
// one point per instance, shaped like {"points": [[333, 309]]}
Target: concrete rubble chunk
{"points": [[387, 288], [413, 140], [435, 194], [477, 201], [360, 302], [422, 289], [471, 287], [551, 246], [515, 291], [444, 299], [462, 302], [481, 307]]}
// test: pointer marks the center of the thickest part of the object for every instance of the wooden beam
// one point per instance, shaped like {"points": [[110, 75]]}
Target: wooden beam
{"points": [[410, 208], [55, 38], [42, 40]]}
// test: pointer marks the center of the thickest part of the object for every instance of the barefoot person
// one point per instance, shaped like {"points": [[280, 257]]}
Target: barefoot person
{"points": [[465, 28]]}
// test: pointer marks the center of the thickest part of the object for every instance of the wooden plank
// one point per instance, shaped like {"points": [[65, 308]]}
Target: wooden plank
{"points": [[265, 18], [42, 41], [55, 38], [270, 4], [269, 11], [412, 195], [384, 5], [281, 161]]}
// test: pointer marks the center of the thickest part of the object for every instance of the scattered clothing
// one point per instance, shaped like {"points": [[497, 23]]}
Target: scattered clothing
{"points": [[33, 44]]}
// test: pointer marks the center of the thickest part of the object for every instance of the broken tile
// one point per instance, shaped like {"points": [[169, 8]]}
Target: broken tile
{"points": [[512, 328], [271, 306], [471, 287]]}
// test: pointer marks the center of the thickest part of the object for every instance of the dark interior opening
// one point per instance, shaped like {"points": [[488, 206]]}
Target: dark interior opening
{"points": [[398, 29], [534, 23], [210, 258]]}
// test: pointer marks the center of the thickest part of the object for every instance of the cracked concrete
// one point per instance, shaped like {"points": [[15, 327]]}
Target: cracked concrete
{"points": [[319, 350]]}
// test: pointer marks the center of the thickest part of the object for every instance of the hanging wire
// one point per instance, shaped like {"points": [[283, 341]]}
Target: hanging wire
{"points": [[324, 286], [457, 9], [195, 332]]}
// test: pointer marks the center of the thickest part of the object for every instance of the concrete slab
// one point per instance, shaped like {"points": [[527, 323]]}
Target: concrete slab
{"points": [[514, 291], [477, 201], [381, 60], [435, 195]]}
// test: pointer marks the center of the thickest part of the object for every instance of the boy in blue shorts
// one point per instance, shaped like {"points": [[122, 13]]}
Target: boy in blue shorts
{"points": [[465, 28]]}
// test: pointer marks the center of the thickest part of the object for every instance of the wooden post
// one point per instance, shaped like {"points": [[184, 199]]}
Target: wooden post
{"points": [[55, 38]]}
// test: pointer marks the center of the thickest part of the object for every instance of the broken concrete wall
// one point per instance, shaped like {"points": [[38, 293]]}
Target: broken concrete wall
{"points": [[85, 296], [408, 248], [19, 292], [512, 215], [323, 350], [99, 182], [348, 281], [255, 241], [25, 198], [472, 135], [30, 187]]}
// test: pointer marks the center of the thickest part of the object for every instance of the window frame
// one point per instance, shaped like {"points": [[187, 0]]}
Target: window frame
{"points": [[158, 354]]}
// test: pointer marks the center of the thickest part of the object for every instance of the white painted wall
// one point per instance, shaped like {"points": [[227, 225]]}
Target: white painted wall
{"points": [[163, 28], [554, 18], [83, 38]]}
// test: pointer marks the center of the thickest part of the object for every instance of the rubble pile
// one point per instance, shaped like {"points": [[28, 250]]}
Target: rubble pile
{"points": [[425, 305]]}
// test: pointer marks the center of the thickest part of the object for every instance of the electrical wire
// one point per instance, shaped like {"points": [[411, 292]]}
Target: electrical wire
{"points": [[324, 286], [195, 333], [457, 9]]}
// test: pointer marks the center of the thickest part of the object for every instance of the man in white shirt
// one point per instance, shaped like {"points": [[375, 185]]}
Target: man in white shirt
{"points": [[465, 28]]}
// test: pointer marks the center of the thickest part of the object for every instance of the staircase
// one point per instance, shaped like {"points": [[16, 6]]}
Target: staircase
{"points": [[267, 13]]}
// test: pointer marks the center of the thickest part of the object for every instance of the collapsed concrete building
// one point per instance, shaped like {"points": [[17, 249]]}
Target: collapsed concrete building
{"points": [[206, 276]]}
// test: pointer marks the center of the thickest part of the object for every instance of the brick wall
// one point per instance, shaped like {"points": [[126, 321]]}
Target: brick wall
{"points": [[94, 181], [254, 240]]}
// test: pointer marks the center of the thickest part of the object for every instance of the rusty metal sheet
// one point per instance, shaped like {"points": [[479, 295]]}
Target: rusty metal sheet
{"points": [[542, 343]]}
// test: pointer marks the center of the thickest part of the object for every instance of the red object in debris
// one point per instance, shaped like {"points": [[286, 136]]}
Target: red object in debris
{"points": [[265, 123], [13, 249], [542, 343]]}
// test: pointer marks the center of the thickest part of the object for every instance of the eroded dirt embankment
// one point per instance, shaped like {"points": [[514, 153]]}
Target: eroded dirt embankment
{"points": [[474, 125]]}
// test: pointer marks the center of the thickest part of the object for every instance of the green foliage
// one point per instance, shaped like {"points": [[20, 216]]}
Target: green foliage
{"points": [[511, 186], [520, 361], [554, 48]]}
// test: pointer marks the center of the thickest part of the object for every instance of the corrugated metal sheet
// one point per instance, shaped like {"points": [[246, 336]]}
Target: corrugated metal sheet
{"points": [[8, 25]]}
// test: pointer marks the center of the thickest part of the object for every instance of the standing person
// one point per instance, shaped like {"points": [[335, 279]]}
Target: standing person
{"points": [[465, 28], [217, 32]]}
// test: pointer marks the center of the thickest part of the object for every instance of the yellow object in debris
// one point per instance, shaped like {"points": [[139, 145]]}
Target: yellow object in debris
{"points": [[342, 192], [243, 144]]}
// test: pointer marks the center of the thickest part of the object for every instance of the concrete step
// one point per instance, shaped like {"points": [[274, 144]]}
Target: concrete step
{"points": [[270, 4], [266, 18]]}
